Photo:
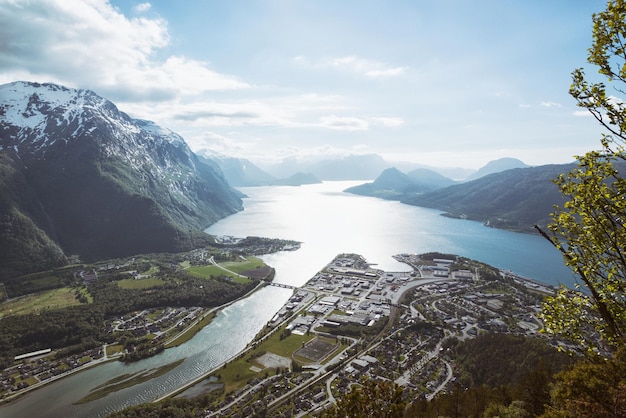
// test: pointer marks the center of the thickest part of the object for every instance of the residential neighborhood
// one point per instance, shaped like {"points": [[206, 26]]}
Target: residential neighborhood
{"points": [[368, 323]]}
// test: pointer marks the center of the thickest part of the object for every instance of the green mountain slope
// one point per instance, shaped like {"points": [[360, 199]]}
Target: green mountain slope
{"points": [[514, 199], [392, 184]]}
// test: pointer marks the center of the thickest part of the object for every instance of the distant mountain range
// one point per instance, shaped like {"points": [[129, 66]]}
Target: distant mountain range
{"points": [[513, 199], [349, 167], [392, 184], [370, 166], [79, 177], [240, 172]]}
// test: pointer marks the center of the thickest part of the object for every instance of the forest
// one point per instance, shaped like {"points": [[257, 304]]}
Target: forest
{"points": [[111, 288]]}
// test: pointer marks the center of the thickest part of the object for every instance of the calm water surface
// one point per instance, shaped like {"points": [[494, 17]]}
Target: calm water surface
{"points": [[327, 222]]}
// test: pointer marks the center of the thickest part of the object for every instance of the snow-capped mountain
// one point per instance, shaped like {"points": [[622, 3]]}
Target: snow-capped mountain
{"points": [[88, 179]]}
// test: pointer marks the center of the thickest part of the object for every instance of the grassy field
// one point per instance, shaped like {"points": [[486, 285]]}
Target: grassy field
{"points": [[37, 282], [205, 272], [140, 283], [50, 299], [236, 373], [238, 267], [114, 349]]}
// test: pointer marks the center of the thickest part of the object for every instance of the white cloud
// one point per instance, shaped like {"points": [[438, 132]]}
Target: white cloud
{"points": [[582, 113], [384, 73], [91, 44], [388, 122], [213, 142], [550, 104], [353, 64], [343, 123], [193, 77], [142, 7]]}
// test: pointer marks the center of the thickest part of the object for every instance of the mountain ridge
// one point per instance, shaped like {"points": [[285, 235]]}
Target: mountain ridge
{"points": [[393, 184], [514, 199], [97, 182]]}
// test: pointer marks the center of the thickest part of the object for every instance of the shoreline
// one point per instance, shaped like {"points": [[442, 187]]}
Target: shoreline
{"points": [[210, 372], [105, 359]]}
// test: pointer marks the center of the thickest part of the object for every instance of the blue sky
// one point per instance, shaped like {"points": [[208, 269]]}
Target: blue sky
{"points": [[451, 83]]}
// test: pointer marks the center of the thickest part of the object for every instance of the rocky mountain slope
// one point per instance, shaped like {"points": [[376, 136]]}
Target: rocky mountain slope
{"points": [[79, 177]]}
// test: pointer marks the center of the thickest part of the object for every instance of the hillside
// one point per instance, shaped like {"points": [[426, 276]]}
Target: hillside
{"points": [[79, 177], [392, 184], [514, 199]]}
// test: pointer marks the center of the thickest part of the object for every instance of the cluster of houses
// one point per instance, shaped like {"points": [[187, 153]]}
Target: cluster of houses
{"points": [[155, 321], [36, 367], [253, 397]]}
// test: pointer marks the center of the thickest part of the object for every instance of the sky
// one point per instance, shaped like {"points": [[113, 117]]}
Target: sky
{"points": [[446, 83]]}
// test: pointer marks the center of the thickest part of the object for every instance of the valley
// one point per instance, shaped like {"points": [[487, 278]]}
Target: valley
{"points": [[121, 309]]}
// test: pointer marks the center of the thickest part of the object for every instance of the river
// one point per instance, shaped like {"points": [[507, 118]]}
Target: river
{"points": [[327, 222]]}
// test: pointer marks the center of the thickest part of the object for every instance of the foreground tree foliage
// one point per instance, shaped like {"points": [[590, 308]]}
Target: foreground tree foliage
{"points": [[370, 398], [590, 232], [589, 229], [497, 375], [591, 390]]}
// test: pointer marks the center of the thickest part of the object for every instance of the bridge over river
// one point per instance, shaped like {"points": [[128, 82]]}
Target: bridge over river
{"points": [[286, 286]]}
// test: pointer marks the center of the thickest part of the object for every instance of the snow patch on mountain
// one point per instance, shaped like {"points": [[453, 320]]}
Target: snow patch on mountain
{"points": [[37, 119]]}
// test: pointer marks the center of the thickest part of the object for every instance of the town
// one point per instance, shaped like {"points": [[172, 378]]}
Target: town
{"points": [[352, 321]]}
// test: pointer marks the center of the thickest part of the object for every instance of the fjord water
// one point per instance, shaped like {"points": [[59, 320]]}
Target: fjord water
{"points": [[327, 221]]}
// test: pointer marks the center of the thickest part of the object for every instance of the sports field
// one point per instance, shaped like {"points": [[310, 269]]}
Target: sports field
{"points": [[317, 349]]}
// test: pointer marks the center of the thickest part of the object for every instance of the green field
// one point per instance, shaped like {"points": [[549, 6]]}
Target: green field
{"points": [[236, 373], [236, 267], [50, 299], [36, 282], [205, 272], [240, 266], [140, 283]]}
